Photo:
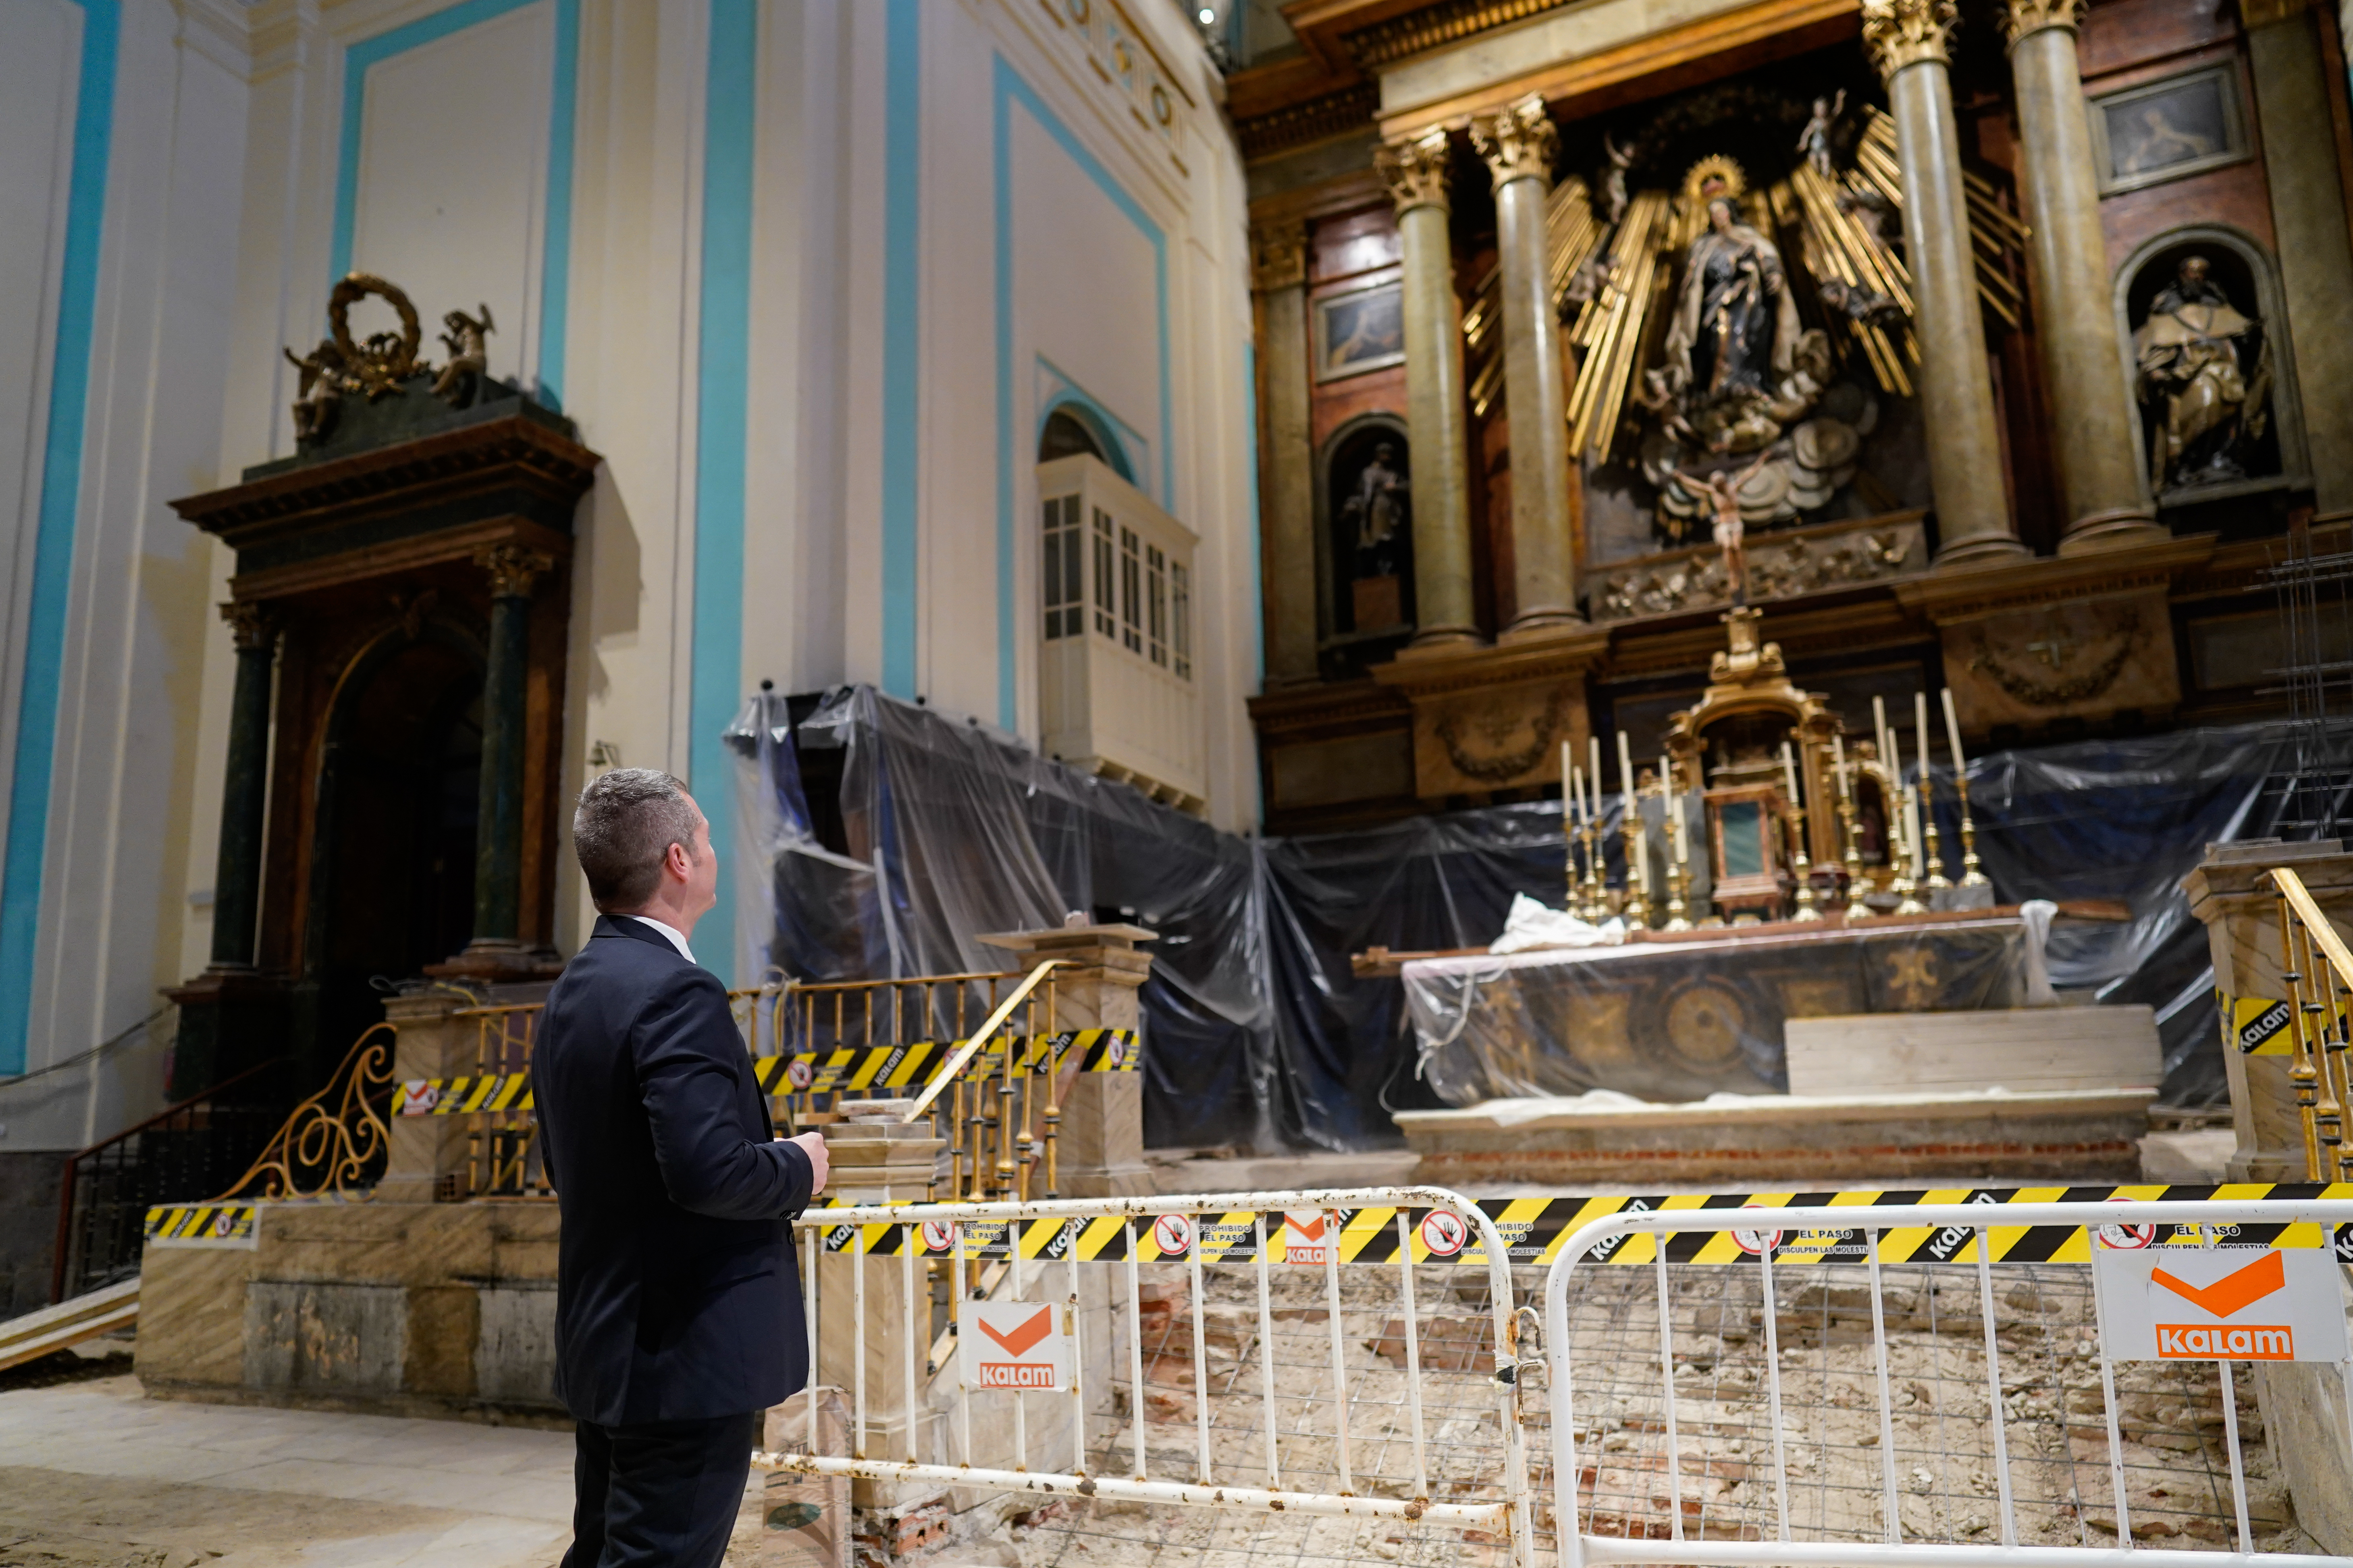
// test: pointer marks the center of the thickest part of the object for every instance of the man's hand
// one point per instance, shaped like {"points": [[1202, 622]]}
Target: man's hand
{"points": [[813, 1146]]}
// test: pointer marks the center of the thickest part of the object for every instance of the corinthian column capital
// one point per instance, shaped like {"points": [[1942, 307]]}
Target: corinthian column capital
{"points": [[1518, 143], [2021, 17], [1278, 256], [1901, 33], [250, 626], [1414, 170], [513, 569]]}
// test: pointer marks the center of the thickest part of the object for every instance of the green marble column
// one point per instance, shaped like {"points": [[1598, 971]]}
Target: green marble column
{"points": [[245, 788], [2074, 317], [1294, 591], [1907, 41], [1518, 144], [1416, 173], [498, 832]]}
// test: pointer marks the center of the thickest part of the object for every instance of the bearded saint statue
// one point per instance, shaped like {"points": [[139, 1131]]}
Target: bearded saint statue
{"points": [[1735, 325], [2205, 375]]}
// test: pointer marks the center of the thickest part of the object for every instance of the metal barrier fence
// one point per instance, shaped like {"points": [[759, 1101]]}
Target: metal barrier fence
{"points": [[1333, 1394], [1729, 1394]]}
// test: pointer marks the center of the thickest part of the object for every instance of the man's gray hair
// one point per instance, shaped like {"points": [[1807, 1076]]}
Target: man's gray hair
{"points": [[622, 830]]}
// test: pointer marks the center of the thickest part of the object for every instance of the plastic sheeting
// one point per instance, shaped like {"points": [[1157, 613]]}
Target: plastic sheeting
{"points": [[1258, 1034], [1678, 1021]]}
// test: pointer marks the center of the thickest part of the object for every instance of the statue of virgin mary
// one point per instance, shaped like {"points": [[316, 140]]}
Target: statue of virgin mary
{"points": [[1735, 325]]}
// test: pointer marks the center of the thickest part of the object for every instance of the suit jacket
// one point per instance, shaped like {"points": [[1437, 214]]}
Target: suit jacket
{"points": [[678, 1297]]}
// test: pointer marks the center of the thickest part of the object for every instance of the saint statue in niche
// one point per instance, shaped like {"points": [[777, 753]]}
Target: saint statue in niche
{"points": [[2205, 379], [1378, 511]]}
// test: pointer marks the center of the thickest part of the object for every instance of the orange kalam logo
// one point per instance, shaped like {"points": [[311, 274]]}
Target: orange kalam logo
{"points": [[1024, 1336], [2227, 1297]]}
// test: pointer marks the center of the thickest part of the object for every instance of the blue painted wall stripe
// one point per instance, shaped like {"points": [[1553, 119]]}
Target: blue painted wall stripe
{"points": [[721, 432], [54, 528], [902, 358], [1010, 88], [555, 271]]}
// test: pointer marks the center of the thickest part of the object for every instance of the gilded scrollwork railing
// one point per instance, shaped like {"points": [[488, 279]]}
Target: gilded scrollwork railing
{"points": [[2317, 969], [335, 1142]]}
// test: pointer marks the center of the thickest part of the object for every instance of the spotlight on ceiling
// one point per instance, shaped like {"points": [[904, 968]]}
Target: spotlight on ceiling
{"points": [[1208, 17]]}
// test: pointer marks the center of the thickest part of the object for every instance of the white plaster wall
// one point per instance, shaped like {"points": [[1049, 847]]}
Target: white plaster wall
{"points": [[41, 54], [128, 700], [452, 181]]}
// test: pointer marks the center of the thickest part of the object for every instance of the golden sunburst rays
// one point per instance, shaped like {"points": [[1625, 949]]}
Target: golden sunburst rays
{"points": [[1609, 333]]}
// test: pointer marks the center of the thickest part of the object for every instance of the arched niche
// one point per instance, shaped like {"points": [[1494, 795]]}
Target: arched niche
{"points": [[2249, 276], [1072, 428], [1364, 535]]}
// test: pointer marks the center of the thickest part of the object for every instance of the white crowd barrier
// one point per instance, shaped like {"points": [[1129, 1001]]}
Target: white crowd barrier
{"points": [[1306, 1421], [1796, 1400]]}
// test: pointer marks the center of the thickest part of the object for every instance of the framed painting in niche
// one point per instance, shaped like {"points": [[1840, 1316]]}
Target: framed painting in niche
{"points": [[1360, 330], [2183, 125]]}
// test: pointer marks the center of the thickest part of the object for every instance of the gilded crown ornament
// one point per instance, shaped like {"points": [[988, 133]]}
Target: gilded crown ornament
{"points": [[1518, 143], [1903, 33], [2021, 19], [1414, 170]]}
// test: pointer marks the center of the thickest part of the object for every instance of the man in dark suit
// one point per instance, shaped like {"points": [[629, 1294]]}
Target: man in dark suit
{"points": [[678, 1315]]}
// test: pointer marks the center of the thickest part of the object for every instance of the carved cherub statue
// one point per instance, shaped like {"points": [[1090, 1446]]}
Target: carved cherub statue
{"points": [[316, 397], [460, 380], [1814, 140], [1613, 185]]}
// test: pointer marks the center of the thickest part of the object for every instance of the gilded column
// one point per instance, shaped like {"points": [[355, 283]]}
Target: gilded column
{"points": [[1294, 588], [1416, 173], [2074, 319], [245, 790], [1518, 144], [497, 834], [2316, 261], [1907, 41]]}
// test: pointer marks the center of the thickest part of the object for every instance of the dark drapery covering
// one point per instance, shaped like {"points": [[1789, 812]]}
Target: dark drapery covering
{"points": [[1257, 1032]]}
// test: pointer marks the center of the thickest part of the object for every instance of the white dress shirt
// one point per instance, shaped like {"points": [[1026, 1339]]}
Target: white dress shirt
{"points": [[677, 937]]}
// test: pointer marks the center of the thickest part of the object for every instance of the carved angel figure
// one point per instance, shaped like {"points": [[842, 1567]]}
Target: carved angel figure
{"points": [[318, 394], [1814, 140], [459, 382], [1613, 185]]}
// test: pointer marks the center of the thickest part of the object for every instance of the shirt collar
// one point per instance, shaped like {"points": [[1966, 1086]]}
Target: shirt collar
{"points": [[677, 937]]}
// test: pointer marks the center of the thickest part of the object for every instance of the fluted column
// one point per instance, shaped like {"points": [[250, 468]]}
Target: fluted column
{"points": [[2074, 319], [1416, 173], [1295, 589], [245, 788], [513, 571], [1906, 39], [1518, 144]]}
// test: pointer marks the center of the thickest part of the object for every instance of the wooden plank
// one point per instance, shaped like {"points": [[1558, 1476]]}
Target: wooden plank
{"points": [[36, 1334], [2030, 1048]]}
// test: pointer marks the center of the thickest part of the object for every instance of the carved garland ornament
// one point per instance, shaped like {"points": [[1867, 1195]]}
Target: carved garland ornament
{"points": [[1414, 171], [1901, 33], [1518, 143], [2082, 686], [1499, 767]]}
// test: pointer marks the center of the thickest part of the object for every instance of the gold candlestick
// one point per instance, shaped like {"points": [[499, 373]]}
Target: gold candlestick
{"points": [[1632, 841], [1936, 882], [1800, 867], [1971, 877], [1677, 913], [1596, 890]]}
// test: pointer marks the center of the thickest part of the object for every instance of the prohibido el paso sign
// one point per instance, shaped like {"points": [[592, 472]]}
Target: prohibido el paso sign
{"points": [[2227, 1303]]}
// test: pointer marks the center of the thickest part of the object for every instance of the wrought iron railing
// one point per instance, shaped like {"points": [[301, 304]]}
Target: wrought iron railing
{"points": [[335, 1143], [2318, 972], [180, 1154]]}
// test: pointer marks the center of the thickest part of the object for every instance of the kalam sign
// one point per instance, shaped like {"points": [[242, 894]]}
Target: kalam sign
{"points": [[1014, 1345], [2226, 1304]]}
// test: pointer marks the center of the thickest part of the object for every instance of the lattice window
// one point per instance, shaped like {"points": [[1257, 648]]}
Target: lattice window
{"points": [[1066, 596], [1180, 618], [1104, 596], [1131, 590]]}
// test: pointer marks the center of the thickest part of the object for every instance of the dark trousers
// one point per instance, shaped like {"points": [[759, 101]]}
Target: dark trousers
{"points": [[662, 1495]]}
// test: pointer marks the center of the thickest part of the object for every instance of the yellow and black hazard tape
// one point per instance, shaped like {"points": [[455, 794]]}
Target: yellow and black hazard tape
{"points": [[853, 1070], [1535, 1229], [201, 1224]]}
